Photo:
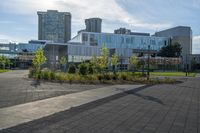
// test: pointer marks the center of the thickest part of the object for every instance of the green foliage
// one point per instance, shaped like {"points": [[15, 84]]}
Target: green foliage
{"points": [[109, 77], [4, 62], [38, 75], [46, 75], [83, 69], [72, 69], [133, 62], [103, 59], [52, 75], [173, 50], [123, 76], [63, 61], [91, 69], [114, 60], [172, 74], [94, 63], [3, 70], [39, 59]]}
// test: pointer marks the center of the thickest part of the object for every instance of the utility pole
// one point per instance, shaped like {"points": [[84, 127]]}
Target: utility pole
{"points": [[148, 74]]}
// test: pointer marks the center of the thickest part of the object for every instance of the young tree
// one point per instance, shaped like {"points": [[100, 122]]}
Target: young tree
{"points": [[8, 62], [4, 62], [39, 59], [94, 63], [134, 62], [114, 61], [63, 62], [103, 59]]}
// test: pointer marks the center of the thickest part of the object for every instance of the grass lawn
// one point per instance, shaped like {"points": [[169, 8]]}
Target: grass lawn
{"points": [[3, 70], [172, 74]]}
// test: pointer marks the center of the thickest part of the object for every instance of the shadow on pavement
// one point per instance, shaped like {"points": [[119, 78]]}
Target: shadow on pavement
{"points": [[150, 98]]}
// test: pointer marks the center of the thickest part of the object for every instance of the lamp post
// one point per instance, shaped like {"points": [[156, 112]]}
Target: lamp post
{"points": [[148, 75], [121, 61]]}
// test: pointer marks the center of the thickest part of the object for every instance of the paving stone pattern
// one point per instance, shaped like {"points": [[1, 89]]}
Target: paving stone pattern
{"points": [[154, 109], [16, 89]]}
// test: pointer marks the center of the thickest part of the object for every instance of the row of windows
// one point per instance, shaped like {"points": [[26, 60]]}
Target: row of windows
{"points": [[82, 50], [113, 41]]}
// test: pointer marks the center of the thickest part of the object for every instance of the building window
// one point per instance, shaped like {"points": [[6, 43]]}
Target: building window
{"points": [[84, 37], [93, 40]]}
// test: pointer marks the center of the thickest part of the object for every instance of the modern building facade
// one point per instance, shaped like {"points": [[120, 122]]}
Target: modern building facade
{"points": [[87, 44], [21, 54], [93, 25], [182, 35], [54, 26]]}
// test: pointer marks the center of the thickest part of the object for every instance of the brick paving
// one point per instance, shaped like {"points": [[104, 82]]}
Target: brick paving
{"points": [[154, 109]]}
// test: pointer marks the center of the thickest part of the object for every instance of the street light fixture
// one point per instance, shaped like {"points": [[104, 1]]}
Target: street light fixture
{"points": [[148, 74]]}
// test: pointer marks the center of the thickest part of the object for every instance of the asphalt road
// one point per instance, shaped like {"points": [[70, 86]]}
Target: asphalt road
{"points": [[154, 109], [16, 88]]}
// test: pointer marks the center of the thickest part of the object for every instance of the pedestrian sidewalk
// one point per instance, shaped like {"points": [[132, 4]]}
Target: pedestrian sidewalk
{"points": [[198, 75], [15, 115]]}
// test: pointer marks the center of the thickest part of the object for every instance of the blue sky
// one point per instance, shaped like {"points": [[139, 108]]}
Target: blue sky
{"points": [[18, 18]]}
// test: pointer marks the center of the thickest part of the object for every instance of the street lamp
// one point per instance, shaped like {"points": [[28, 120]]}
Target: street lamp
{"points": [[148, 75]]}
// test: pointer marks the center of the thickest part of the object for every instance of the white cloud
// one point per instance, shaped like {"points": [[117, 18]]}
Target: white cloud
{"points": [[109, 10], [14, 38], [196, 45]]}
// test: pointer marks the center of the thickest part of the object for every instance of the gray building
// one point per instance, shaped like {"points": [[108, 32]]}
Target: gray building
{"points": [[54, 26], [182, 35], [93, 25], [128, 32], [122, 31]]}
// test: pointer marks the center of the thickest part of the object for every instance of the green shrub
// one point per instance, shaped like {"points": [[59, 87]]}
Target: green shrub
{"points": [[90, 69], [99, 77], [46, 75], [92, 77], [61, 77], [83, 69], [123, 76], [52, 75], [115, 76], [38, 75], [72, 69], [108, 76]]}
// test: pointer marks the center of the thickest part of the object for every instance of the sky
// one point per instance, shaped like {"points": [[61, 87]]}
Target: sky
{"points": [[19, 21]]}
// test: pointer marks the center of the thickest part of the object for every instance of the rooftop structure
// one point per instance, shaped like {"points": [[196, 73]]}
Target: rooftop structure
{"points": [[93, 25]]}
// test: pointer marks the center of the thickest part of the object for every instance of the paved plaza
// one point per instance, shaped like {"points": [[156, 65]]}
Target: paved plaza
{"points": [[149, 109], [16, 88]]}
